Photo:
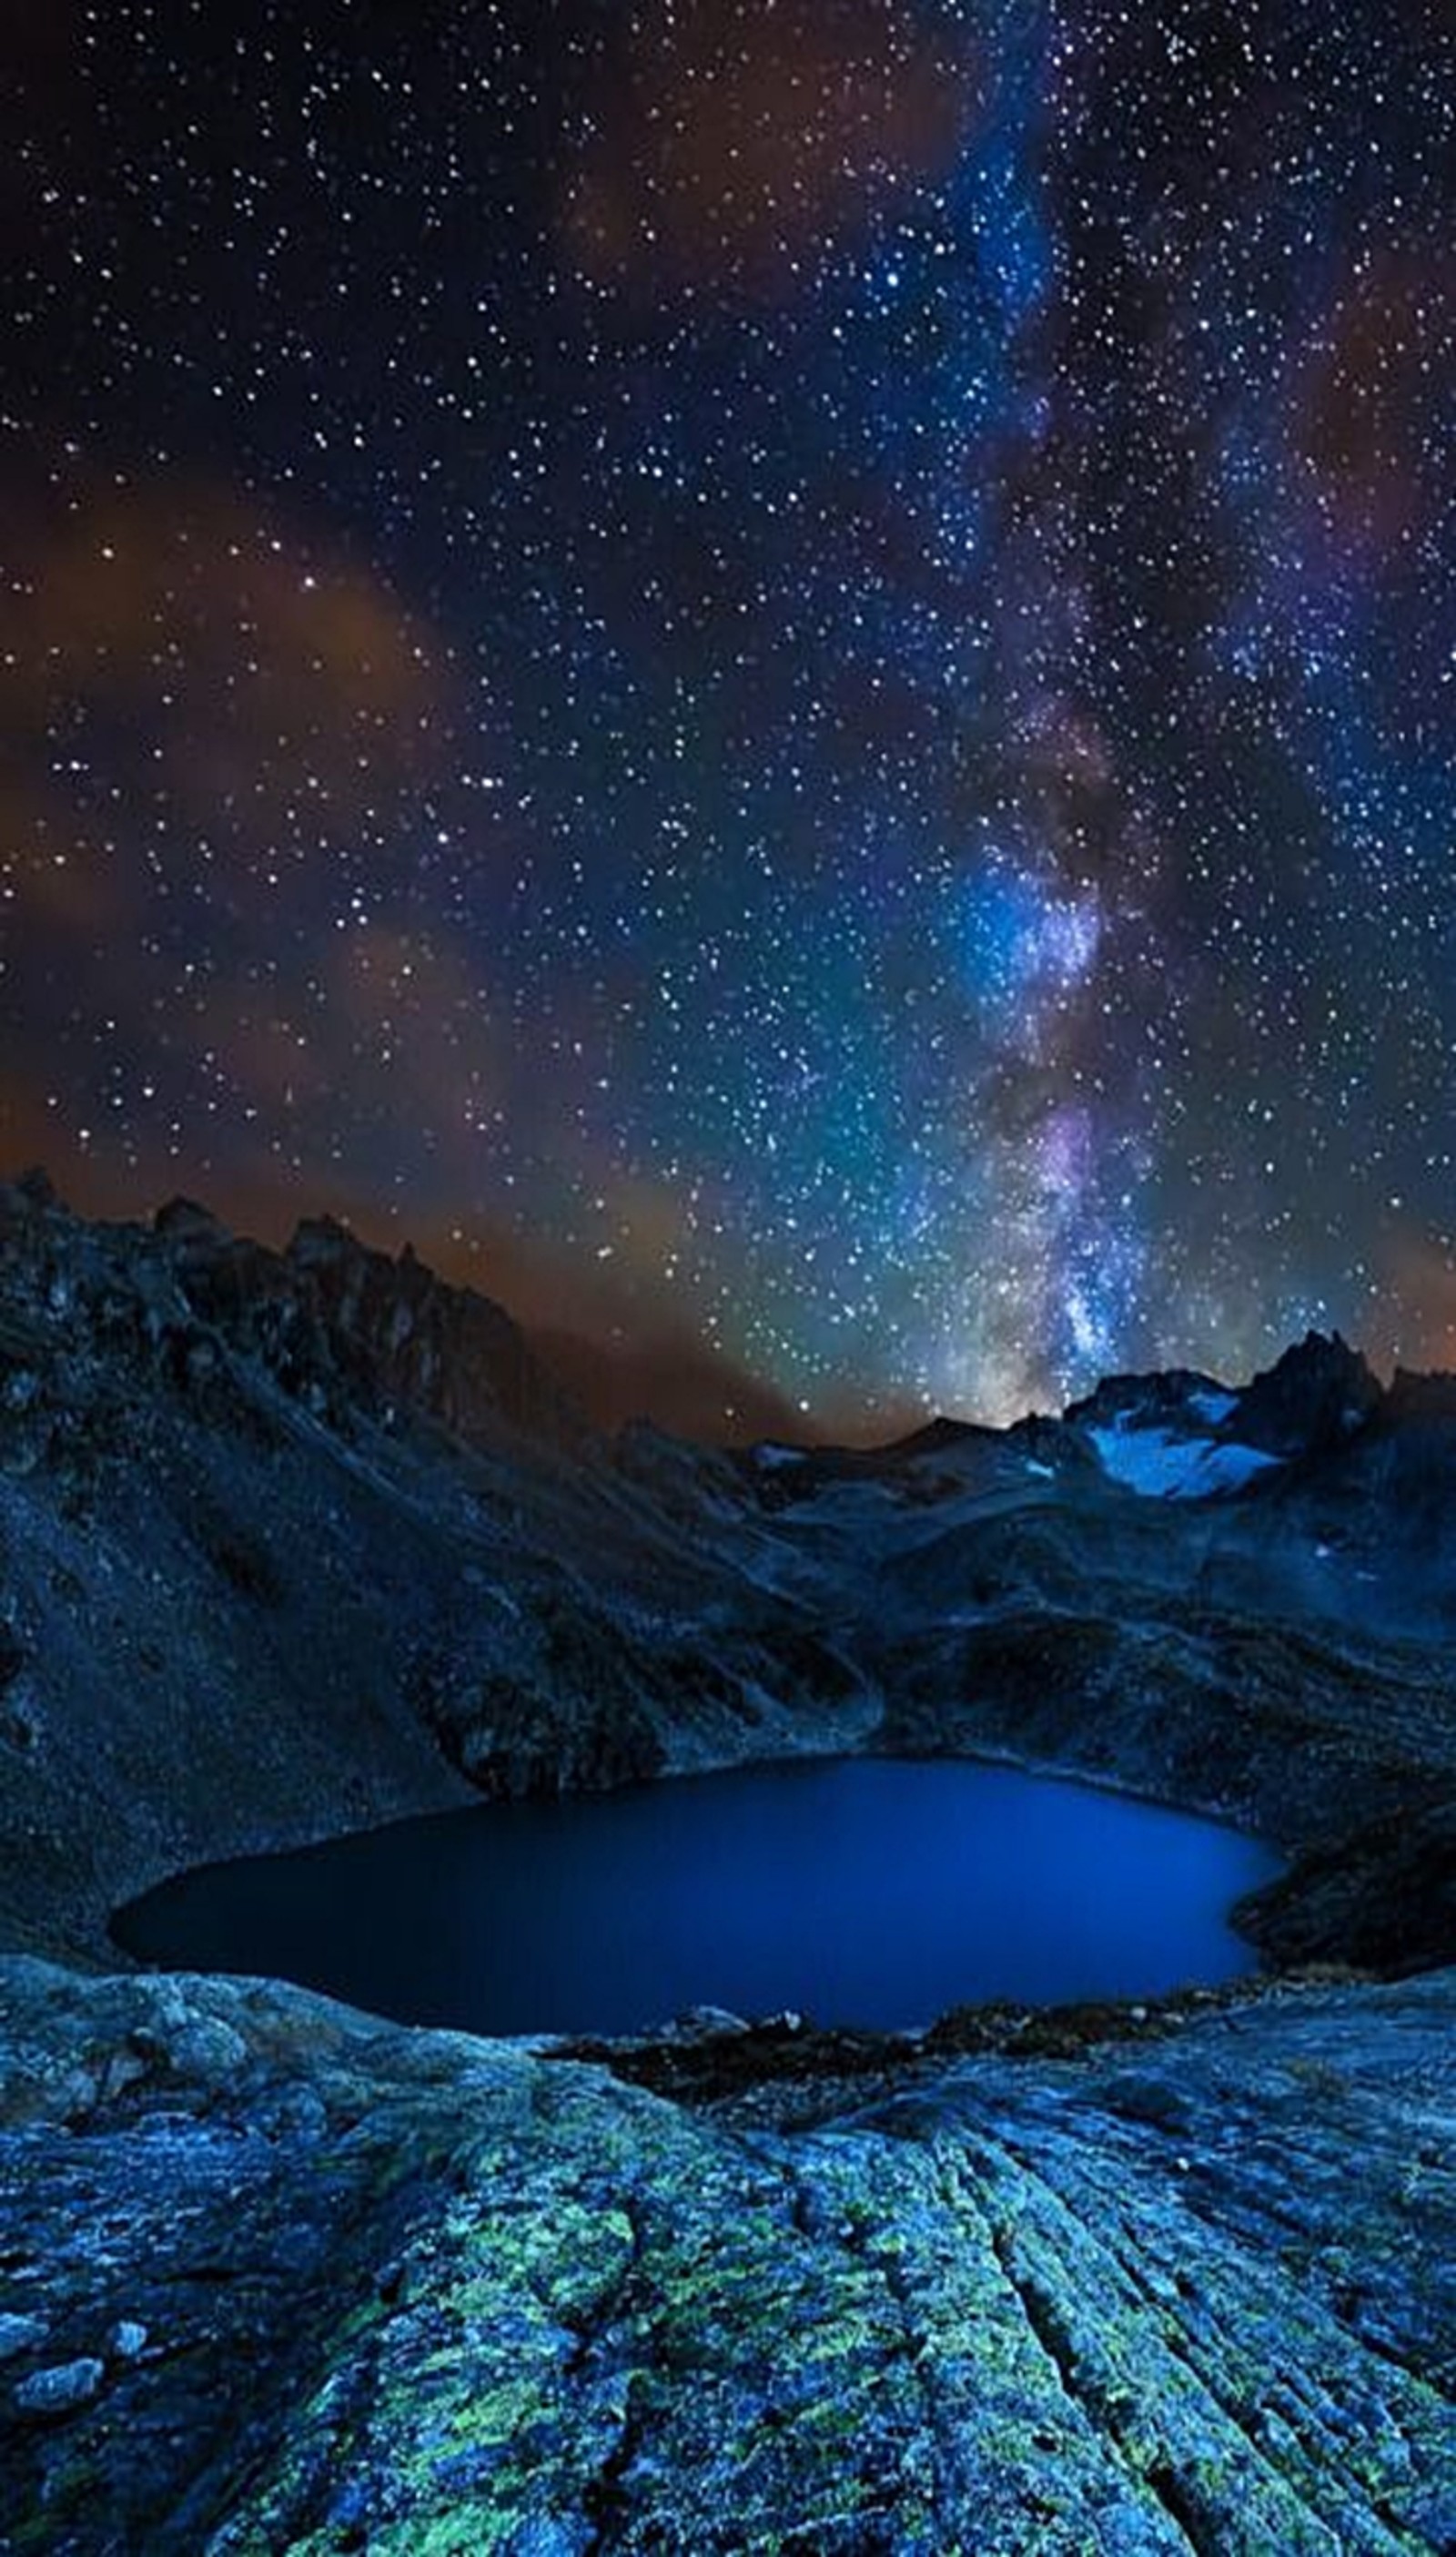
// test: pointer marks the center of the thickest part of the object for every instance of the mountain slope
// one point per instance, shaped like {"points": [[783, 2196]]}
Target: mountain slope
{"points": [[294, 1541]]}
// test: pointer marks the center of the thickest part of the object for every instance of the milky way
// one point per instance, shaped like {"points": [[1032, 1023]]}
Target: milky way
{"points": [[774, 673]]}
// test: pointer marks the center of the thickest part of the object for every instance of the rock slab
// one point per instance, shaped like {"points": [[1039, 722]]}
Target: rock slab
{"points": [[415, 2293]]}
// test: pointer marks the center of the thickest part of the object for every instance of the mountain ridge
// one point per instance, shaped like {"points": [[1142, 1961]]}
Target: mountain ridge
{"points": [[332, 1485], [296, 1543]]}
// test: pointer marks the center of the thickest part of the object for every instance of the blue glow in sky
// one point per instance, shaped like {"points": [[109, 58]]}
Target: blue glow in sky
{"points": [[779, 678]]}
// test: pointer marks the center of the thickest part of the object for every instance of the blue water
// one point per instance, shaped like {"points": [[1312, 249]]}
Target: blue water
{"points": [[857, 1890]]}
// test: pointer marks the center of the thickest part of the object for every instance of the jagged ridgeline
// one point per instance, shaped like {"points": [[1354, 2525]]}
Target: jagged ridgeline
{"points": [[297, 1541]]}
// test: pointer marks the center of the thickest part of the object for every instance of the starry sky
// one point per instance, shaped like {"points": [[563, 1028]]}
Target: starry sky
{"points": [[777, 673]]}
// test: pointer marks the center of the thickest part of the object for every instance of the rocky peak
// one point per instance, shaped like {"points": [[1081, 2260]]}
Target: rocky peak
{"points": [[334, 1320], [1414, 1397], [183, 1220], [1164, 1397], [416, 1338], [1319, 1393]]}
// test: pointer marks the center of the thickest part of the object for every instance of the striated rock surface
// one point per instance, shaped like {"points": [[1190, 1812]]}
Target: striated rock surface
{"points": [[409, 2292]]}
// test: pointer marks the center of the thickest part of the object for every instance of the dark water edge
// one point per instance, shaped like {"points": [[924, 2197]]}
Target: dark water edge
{"points": [[865, 1891]]}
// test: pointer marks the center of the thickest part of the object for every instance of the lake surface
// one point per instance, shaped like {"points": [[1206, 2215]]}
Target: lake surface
{"points": [[858, 1890]]}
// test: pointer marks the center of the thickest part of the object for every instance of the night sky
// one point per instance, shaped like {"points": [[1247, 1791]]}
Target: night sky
{"points": [[775, 672]]}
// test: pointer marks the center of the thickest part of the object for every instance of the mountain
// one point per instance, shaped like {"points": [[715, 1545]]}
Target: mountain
{"points": [[293, 1542], [296, 1540]]}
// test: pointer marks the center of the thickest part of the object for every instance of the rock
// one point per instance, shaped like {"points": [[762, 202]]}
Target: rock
{"points": [[1146, 2098], [489, 2298], [183, 1220], [1313, 1399], [698, 2020], [1384, 1893], [548, 2538], [59, 2389], [190, 2046], [20, 2334]]}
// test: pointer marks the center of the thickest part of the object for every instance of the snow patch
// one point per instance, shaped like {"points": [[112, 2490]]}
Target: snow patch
{"points": [[1212, 1405], [1163, 1467], [773, 1459]]}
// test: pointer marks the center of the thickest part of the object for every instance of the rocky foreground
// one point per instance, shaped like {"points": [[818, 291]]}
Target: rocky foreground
{"points": [[280, 2278], [295, 1542]]}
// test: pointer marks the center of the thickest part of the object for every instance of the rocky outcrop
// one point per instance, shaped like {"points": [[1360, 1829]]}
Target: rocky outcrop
{"points": [[294, 1543], [1313, 1399], [339, 1326], [285, 2278], [1384, 1891]]}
